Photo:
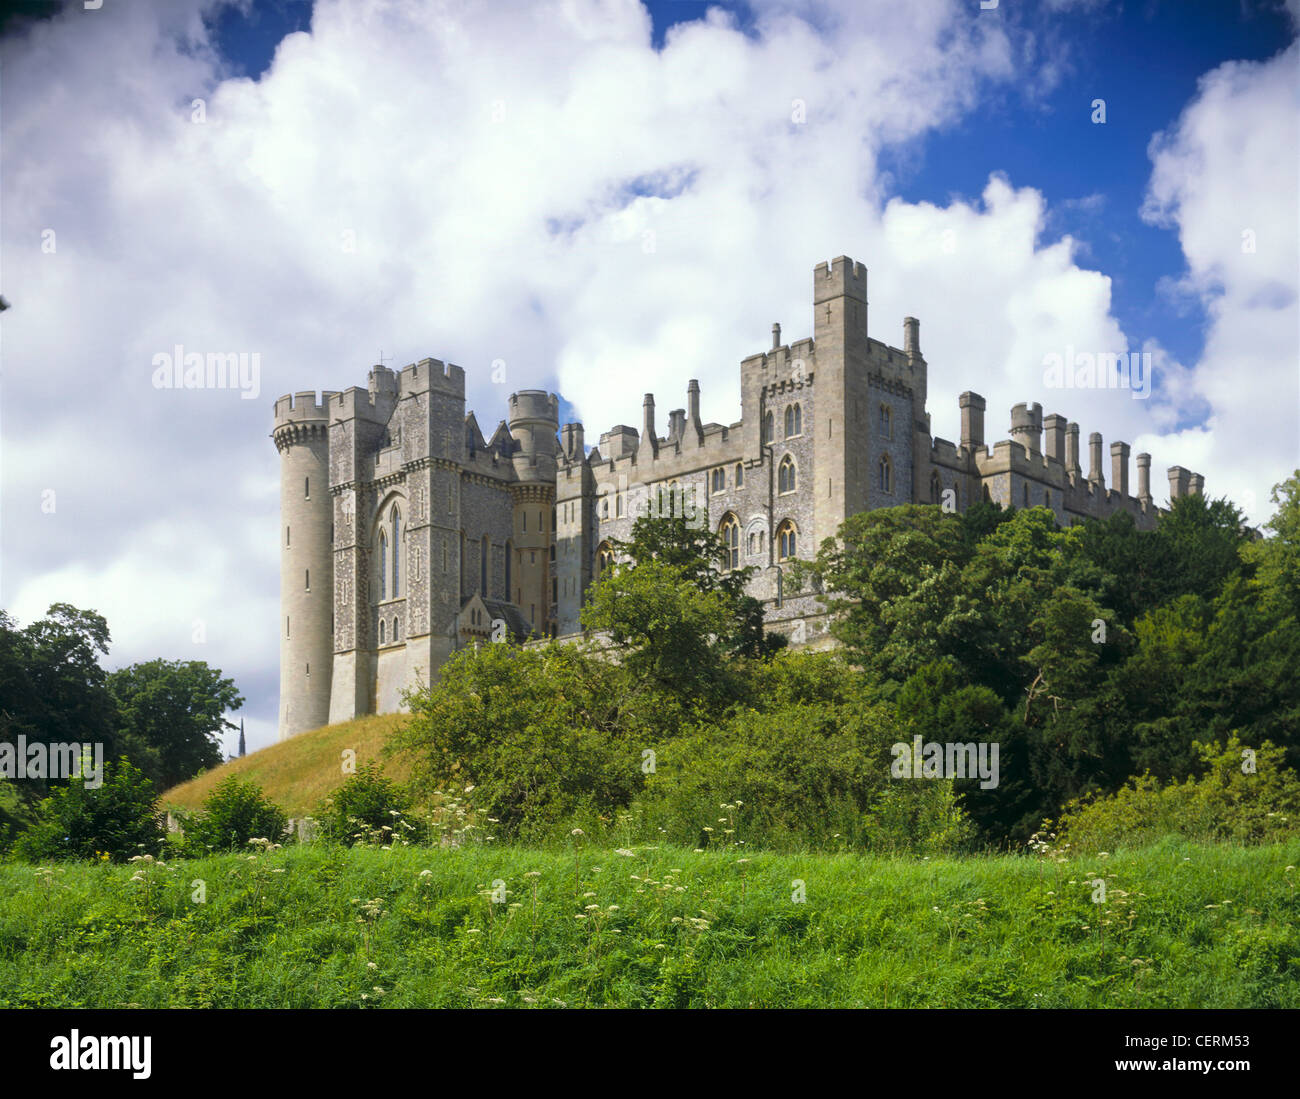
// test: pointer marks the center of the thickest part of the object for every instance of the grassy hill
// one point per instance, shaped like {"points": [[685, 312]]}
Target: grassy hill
{"points": [[297, 773], [1182, 925]]}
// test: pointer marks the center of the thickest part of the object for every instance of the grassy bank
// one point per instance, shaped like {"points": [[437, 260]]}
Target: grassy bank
{"points": [[1182, 926], [297, 773]]}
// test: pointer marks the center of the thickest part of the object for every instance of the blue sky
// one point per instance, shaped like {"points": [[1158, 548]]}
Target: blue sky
{"points": [[610, 199]]}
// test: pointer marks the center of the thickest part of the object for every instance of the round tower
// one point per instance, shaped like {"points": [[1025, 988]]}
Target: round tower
{"points": [[306, 562], [534, 421]]}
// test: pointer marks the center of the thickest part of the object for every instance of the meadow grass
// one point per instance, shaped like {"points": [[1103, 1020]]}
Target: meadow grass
{"points": [[317, 926]]}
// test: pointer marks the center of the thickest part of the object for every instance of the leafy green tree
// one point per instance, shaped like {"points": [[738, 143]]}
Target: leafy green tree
{"points": [[235, 812], [538, 733], [172, 712], [120, 818]]}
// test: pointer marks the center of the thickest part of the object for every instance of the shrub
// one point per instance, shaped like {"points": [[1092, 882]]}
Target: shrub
{"points": [[369, 808], [1226, 803], [118, 818], [235, 812]]}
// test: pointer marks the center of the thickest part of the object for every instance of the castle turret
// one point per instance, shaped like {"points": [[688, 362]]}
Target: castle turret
{"points": [[534, 422], [306, 562], [1027, 426]]}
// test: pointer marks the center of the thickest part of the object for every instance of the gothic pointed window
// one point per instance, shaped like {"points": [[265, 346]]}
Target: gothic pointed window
{"points": [[483, 567], [729, 529], [785, 475], [740, 475], [510, 552], [383, 561], [786, 537], [396, 517], [381, 631], [936, 489], [885, 479], [769, 427], [604, 558], [793, 420]]}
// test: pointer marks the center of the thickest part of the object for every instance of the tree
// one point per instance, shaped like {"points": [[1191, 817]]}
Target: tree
{"points": [[171, 713], [120, 818]]}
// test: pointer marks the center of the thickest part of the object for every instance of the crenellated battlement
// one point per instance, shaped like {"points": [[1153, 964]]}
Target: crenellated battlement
{"points": [[304, 406]]}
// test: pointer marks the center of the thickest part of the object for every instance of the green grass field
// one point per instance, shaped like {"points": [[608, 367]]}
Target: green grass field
{"points": [[1181, 926]]}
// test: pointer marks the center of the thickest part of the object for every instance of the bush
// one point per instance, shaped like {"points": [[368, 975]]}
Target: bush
{"points": [[119, 819], [369, 808], [235, 812], [1225, 803]]}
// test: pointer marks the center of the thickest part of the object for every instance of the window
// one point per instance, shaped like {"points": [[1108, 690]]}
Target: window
{"points": [[751, 544], [306, 573], [1047, 497], [740, 475], [785, 477], [769, 425], [397, 631], [793, 420], [886, 474], [936, 488], [483, 566], [306, 488], [510, 552], [286, 536], [604, 558], [786, 541], [618, 508], [286, 625], [729, 528], [541, 521], [381, 631], [886, 421], [396, 517], [780, 589], [525, 515], [1025, 493], [604, 508], [987, 499], [383, 560], [719, 480]]}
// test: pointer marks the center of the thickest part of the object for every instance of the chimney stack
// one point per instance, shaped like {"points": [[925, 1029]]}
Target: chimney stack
{"points": [[912, 338], [1055, 424], [1119, 467], [1094, 460], [1144, 478], [972, 420], [776, 336]]}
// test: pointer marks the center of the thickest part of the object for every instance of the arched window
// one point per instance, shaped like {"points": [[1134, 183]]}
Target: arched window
{"points": [[769, 427], [604, 508], [397, 631], [987, 498], [719, 480], [786, 538], [886, 421], [886, 474], [396, 517], [1025, 493], [740, 475], [306, 579], [751, 543], [780, 589], [510, 552], [793, 420], [1047, 497], [381, 631], [729, 528], [484, 551], [785, 475], [604, 558], [383, 561], [936, 488]]}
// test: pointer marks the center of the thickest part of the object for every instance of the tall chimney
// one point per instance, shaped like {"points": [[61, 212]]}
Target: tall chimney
{"points": [[1144, 478], [972, 420], [1094, 460], [776, 336], [1055, 425], [695, 434], [1072, 466], [649, 439], [1179, 482], [912, 338], [1119, 467], [1198, 484]]}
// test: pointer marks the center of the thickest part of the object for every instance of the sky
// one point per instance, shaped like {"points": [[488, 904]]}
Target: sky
{"points": [[603, 198]]}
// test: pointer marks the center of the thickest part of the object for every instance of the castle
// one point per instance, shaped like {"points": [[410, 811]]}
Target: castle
{"points": [[408, 534]]}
